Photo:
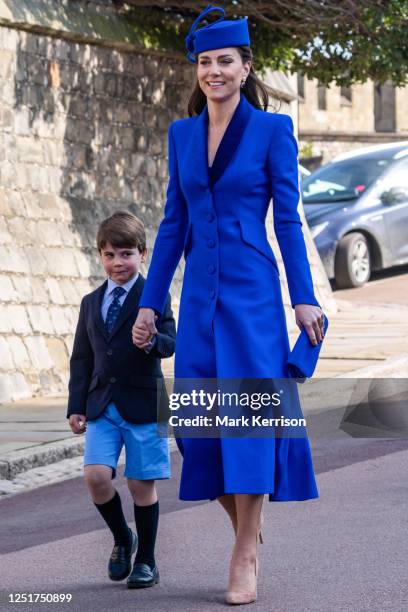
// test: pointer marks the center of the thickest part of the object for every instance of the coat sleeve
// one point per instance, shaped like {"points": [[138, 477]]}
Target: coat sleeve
{"points": [[166, 336], [170, 239], [283, 171], [81, 367]]}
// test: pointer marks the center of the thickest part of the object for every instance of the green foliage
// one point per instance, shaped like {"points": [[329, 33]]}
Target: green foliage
{"points": [[342, 42], [306, 150]]}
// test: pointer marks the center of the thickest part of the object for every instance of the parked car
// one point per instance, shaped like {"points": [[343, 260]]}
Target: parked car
{"points": [[357, 210], [303, 172]]}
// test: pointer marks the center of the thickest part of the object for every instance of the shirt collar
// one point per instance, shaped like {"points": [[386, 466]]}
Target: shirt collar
{"points": [[127, 286]]}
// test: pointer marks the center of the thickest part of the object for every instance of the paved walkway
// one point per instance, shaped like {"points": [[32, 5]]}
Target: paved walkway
{"points": [[344, 552], [363, 340], [390, 285], [363, 335]]}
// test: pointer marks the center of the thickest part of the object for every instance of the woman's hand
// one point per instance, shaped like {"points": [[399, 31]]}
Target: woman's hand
{"points": [[144, 327], [310, 318]]}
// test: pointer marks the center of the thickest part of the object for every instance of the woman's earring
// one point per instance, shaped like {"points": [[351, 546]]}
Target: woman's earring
{"points": [[243, 83]]}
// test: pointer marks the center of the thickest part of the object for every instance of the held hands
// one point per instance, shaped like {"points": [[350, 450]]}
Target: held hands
{"points": [[310, 318], [144, 328], [77, 422]]}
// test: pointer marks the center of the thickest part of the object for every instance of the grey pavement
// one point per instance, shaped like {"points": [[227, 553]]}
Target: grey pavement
{"points": [[345, 551], [33, 433], [387, 286], [41, 416], [364, 340]]}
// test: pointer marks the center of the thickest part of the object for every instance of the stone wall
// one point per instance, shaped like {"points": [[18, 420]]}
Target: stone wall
{"points": [[83, 133], [340, 114], [346, 125], [402, 109]]}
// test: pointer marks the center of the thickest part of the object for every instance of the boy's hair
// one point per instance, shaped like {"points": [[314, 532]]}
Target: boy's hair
{"points": [[122, 230]]}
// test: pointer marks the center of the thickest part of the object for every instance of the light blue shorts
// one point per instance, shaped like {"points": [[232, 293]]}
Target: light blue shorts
{"points": [[147, 454]]}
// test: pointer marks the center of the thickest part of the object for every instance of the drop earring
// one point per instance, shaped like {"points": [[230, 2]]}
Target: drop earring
{"points": [[243, 83]]}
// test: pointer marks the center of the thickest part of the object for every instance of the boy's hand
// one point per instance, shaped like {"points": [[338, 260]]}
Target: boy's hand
{"points": [[77, 422], [144, 328]]}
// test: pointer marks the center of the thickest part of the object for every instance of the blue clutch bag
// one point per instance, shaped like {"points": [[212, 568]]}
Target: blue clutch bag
{"points": [[304, 355]]}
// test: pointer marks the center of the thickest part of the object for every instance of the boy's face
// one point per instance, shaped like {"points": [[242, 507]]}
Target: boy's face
{"points": [[121, 264]]}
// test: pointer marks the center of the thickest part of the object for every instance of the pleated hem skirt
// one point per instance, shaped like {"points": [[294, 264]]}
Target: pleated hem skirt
{"points": [[213, 467]]}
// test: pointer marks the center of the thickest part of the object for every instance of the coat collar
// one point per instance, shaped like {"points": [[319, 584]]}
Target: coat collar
{"points": [[128, 307], [227, 147]]}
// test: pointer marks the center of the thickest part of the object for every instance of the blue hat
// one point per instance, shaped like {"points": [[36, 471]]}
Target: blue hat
{"points": [[216, 35]]}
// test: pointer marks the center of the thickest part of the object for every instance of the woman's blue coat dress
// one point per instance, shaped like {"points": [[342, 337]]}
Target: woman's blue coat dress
{"points": [[231, 319]]}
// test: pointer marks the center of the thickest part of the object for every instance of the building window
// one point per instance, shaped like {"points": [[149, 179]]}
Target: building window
{"points": [[301, 85], [345, 95], [384, 107], [321, 97]]}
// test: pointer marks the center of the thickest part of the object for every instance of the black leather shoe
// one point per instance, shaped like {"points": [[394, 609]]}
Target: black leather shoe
{"points": [[120, 562], [143, 576]]}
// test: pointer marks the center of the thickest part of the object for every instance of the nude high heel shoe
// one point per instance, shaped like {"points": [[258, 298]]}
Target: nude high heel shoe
{"points": [[238, 598], [246, 597]]}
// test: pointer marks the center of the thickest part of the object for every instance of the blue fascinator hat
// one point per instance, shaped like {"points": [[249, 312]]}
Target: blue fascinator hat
{"points": [[216, 35]]}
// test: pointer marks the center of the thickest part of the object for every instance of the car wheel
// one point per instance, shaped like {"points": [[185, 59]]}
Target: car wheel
{"points": [[352, 266]]}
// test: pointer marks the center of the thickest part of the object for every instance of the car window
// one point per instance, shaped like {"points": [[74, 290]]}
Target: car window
{"points": [[397, 176], [344, 180]]}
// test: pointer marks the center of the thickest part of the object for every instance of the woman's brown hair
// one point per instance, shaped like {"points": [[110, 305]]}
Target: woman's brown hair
{"points": [[254, 90]]}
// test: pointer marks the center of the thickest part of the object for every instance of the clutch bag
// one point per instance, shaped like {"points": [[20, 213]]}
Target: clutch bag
{"points": [[304, 355]]}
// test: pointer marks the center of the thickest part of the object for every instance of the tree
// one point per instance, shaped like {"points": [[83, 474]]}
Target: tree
{"points": [[345, 41]]}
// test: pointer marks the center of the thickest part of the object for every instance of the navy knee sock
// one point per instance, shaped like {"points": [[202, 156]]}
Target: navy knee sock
{"points": [[147, 520], [113, 516]]}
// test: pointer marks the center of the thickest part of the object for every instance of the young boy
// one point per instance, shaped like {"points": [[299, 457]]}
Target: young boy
{"points": [[115, 394]]}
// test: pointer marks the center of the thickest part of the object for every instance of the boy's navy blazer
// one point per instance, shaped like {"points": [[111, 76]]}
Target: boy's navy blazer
{"points": [[109, 367]]}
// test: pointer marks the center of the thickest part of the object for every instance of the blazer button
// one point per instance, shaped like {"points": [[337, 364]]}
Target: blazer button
{"points": [[112, 380], [210, 217], [211, 243], [109, 352], [211, 269]]}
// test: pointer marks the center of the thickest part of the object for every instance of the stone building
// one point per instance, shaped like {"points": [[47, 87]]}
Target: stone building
{"points": [[84, 113], [336, 119]]}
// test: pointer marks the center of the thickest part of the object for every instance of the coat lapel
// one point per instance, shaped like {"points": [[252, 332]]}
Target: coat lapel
{"points": [[231, 139], [227, 148], [98, 297], [198, 153], [130, 305]]}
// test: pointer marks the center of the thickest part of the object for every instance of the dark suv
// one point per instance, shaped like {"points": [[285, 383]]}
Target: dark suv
{"points": [[357, 210]]}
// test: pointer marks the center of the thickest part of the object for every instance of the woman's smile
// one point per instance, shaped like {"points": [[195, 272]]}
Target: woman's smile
{"points": [[215, 84]]}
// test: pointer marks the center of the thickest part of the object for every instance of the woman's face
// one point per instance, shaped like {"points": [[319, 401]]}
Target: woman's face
{"points": [[220, 72]]}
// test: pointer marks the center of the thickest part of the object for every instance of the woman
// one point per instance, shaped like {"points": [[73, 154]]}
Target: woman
{"points": [[225, 163]]}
